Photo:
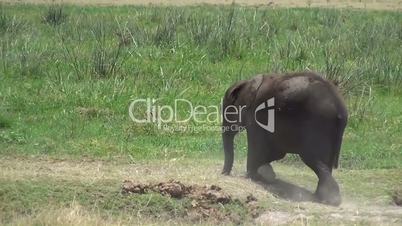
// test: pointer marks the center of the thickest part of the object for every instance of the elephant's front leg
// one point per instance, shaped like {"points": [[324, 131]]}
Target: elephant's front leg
{"points": [[256, 158]]}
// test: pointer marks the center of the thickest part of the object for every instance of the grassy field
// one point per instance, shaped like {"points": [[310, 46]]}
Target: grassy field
{"points": [[68, 74], [359, 4]]}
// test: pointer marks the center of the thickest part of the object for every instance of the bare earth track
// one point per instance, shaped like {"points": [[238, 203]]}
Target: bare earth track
{"points": [[366, 193], [359, 4]]}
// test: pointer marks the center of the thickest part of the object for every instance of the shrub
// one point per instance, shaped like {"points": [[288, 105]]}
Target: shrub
{"points": [[55, 15]]}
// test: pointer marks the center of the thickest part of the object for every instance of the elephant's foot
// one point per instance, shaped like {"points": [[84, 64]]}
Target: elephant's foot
{"points": [[226, 172], [328, 192], [264, 174], [254, 176], [267, 173]]}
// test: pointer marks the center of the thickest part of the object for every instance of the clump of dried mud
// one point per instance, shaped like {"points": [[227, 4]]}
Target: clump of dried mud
{"points": [[206, 201]]}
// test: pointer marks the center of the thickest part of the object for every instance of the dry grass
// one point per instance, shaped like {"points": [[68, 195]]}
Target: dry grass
{"points": [[366, 192], [359, 4], [75, 214]]}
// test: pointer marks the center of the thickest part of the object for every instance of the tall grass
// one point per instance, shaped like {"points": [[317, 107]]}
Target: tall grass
{"points": [[4, 20], [101, 58], [105, 61], [9, 24], [55, 15]]}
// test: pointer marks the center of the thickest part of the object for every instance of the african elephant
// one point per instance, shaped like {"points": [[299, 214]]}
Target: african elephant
{"points": [[299, 113]]}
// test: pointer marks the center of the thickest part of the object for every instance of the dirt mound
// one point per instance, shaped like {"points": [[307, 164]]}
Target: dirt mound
{"points": [[176, 189], [205, 201]]}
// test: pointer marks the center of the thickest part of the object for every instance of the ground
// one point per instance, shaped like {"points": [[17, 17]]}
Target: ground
{"points": [[364, 4], [67, 147], [366, 193]]}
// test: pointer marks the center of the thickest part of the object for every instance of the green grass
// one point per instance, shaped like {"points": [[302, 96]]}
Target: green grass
{"points": [[100, 198], [30, 197], [57, 60]]}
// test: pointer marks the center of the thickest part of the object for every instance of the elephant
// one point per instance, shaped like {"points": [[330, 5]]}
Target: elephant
{"points": [[299, 113]]}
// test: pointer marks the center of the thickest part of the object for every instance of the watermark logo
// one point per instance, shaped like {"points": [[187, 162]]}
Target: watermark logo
{"points": [[177, 116], [269, 105], [181, 111]]}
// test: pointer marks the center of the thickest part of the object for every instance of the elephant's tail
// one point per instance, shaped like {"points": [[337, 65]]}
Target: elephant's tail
{"points": [[335, 161], [340, 126]]}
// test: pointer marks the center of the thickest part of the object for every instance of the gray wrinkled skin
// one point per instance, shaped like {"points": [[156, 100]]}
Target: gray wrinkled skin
{"points": [[310, 118]]}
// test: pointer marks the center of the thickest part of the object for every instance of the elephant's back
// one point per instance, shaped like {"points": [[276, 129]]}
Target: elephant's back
{"points": [[309, 112], [300, 94]]}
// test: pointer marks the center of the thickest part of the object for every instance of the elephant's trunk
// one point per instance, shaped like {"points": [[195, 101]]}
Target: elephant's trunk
{"points": [[228, 147], [231, 116]]}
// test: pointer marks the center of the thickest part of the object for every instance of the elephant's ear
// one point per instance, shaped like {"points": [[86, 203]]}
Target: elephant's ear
{"points": [[234, 91], [252, 84]]}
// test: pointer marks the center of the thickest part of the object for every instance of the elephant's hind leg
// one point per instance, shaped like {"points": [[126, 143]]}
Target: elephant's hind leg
{"points": [[327, 190]]}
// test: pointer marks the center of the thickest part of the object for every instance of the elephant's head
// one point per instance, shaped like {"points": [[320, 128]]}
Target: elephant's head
{"points": [[238, 99]]}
